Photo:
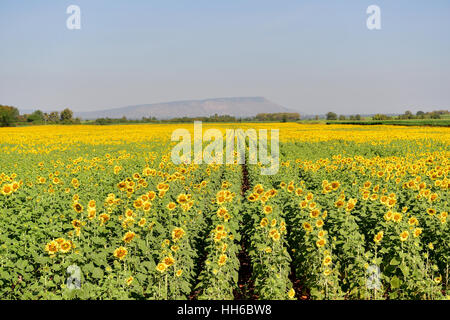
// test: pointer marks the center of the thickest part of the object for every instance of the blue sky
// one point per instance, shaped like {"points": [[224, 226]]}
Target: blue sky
{"points": [[312, 56]]}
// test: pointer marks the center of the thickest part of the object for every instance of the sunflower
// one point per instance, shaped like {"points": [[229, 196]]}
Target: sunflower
{"points": [[433, 197], [417, 232], [182, 198], [129, 280], [78, 207], [65, 246], [307, 226], [222, 259], [322, 233], [221, 212], [129, 213], [168, 261], [391, 202], [224, 247], [319, 223], [177, 233], [315, 213], [52, 247], [291, 293], [276, 236], [335, 185], [413, 221], [388, 215], [120, 253], [327, 260], [76, 223], [15, 185], [91, 204], [7, 189], [264, 222], [404, 236], [397, 217], [378, 237], [339, 203], [151, 195], [138, 203], [350, 206], [142, 222], [128, 237], [268, 209], [161, 267], [299, 191], [321, 242], [179, 272], [171, 205]]}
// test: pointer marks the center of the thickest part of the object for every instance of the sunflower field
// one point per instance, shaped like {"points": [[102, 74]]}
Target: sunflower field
{"points": [[101, 212]]}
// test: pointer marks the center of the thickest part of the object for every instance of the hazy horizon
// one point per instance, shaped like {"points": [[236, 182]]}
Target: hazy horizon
{"points": [[309, 56]]}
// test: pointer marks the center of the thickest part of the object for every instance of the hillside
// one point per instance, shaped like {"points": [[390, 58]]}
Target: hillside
{"points": [[237, 107]]}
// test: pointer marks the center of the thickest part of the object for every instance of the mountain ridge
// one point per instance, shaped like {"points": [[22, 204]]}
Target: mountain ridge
{"points": [[239, 107]]}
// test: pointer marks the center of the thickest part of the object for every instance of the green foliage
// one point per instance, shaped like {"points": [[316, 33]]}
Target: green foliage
{"points": [[8, 116]]}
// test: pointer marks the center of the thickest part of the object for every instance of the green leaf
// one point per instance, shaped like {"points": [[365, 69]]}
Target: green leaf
{"points": [[395, 282], [394, 262], [97, 273]]}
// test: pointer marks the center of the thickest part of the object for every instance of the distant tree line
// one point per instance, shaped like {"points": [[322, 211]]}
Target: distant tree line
{"points": [[423, 115], [280, 116], [10, 116], [334, 116], [283, 117], [407, 115]]}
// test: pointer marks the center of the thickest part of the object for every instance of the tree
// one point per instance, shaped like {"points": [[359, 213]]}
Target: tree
{"points": [[381, 117], [331, 116], [435, 115], [341, 117], [37, 116], [8, 116], [409, 115], [66, 115], [53, 117], [358, 117]]}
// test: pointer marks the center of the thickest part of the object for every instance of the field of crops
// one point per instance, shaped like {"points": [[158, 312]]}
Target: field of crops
{"points": [[354, 212]]}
